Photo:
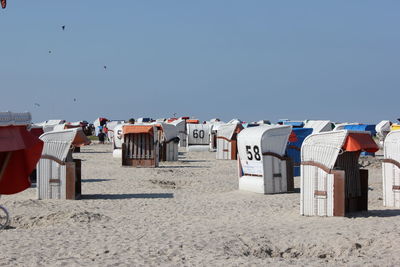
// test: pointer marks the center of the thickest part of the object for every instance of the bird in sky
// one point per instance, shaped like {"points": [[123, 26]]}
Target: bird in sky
{"points": [[74, 99], [36, 105], [63, 27], [49, 51], [105, 67]]}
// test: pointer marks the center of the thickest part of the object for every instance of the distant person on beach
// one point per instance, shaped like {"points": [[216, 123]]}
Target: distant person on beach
{"points": [[101, 136]]}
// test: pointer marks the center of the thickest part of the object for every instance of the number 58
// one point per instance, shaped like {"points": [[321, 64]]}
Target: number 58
{"points": [[256, 151]]}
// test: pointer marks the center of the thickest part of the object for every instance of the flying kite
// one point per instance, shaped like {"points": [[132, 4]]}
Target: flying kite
{"points": [[3, 3]]}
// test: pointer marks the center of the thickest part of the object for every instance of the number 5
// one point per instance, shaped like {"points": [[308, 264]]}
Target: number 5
{"points": [[249, 155]]}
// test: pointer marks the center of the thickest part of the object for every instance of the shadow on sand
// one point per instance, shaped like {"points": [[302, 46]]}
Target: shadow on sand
{"points": [[374, 213], [192, 160], [127, 196], [178, 167], [95, 180]]}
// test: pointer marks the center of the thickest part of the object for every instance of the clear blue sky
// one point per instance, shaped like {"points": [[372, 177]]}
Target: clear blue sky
{"points": [[253, 60]]}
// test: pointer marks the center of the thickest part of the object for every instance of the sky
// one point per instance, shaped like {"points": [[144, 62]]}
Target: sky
{"points": [[252, 60]]}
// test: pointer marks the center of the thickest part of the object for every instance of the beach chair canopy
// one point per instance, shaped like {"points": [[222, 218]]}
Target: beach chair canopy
{"points": [[57, 144], [228, 130], [170, 131], [135, 129], [392, 146], [19, 152], [192, 121], [180, 124], [269, 138], [382, 127], [324, 148], [111, 124], [235, 121], [216, 125], [319, 126]]}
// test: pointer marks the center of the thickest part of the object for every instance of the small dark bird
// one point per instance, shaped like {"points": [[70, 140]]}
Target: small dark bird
{"points": [[63, 27], [74, 99], [105, 67], [36, 105], [49, 51]]}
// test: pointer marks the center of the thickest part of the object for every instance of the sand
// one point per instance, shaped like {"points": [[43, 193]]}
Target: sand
{"points": [[189, 213]]}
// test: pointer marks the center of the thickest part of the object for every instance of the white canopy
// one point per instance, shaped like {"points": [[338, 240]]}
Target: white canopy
{"points": [[228, 130], [383, 126], [270, 138], [318, 126], [58, 143], [12, 118]]}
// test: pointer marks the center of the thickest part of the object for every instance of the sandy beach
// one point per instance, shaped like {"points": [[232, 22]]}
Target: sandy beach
{"points": [[189, 213]]}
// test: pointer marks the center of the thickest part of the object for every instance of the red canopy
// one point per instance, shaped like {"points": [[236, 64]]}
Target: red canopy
{"points": [[19, 153], [360, 142], [128, 129]]}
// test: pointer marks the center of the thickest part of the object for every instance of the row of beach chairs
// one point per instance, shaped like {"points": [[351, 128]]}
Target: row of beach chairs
{"points": [[331, 182]]}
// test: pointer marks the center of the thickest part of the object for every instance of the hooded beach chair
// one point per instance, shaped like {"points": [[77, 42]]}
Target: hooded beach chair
{"points": [[227, 141], [294, 147], [141, 146], [58, 173], [168, 141], [391, 170], [198, 137], [19, 152], [180, 124], [263, 166], [332, 184], [382, 129], [214, 127]]}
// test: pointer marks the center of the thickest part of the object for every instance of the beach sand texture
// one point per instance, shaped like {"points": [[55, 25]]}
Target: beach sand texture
{"points": [[189, 213]]}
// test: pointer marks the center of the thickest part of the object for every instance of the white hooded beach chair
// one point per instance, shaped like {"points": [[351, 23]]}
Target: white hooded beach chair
{"points": [[198, 137], [140, 147], [382, 130], [263, 168], [111, 126], [214, 127], [168, 140], [118, 139], [391, 170], [181, 127], [227, 141], [58, 174], [331, 182]]}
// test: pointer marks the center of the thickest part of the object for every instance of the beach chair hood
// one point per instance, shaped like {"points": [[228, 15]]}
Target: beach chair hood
{"points": [[19, 152]]}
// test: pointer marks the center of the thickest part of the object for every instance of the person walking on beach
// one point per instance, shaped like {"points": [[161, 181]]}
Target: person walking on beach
{"points": [[101, 136]]}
